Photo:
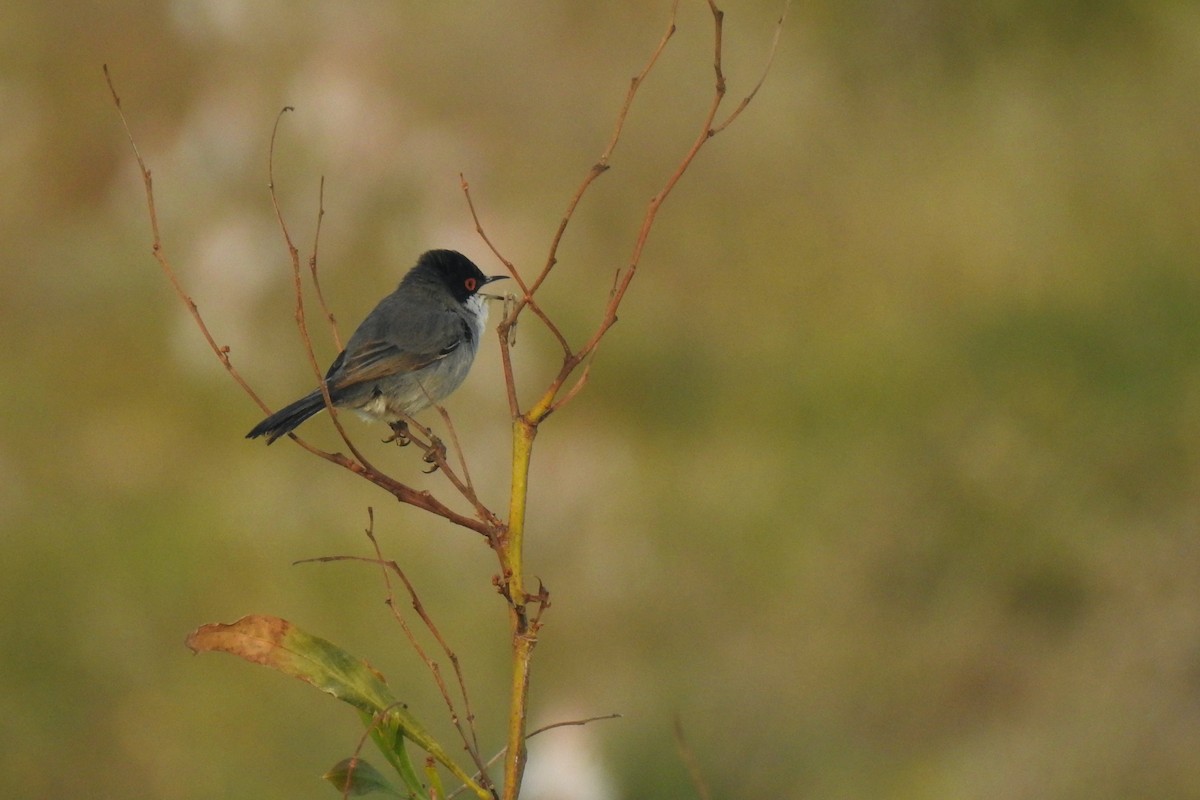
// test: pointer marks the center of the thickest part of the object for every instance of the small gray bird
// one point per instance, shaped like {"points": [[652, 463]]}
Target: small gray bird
{"points": [[412, 350]]}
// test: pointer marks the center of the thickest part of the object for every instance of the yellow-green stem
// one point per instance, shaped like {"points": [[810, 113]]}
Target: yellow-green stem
{"points": [[523, 639], [511, 546], [514, 757]]}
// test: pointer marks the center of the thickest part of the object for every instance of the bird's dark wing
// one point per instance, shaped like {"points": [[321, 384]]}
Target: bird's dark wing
{"points": [[431, 332], [374, 360]]}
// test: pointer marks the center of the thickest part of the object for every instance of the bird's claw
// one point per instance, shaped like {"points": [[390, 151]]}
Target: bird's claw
{"points": [[399, 434], [434, 455]]}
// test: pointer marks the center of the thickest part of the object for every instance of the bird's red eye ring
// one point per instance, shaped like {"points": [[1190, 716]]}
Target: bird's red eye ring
{"points": [[470, 283]]}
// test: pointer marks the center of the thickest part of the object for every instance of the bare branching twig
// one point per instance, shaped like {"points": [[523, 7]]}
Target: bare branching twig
{"points": [[298, 291], [160, 255], [504, 535], [356, 464], [312, 268], [563, 724], [563, 389], [575, 370], [602, 165], [388, 568]]}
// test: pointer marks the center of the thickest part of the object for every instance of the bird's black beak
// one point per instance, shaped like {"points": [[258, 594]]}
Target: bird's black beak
{"points": [[490, 279]]}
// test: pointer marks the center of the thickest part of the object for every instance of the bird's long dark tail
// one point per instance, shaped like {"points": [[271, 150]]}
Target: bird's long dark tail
{"points": [[288, 418]]}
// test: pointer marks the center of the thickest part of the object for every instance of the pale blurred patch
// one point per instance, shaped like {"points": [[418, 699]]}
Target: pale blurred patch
{"points": [[566, 764]]}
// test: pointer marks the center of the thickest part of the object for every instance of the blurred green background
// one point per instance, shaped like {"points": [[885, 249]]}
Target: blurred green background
{"points": [[887, 483]]}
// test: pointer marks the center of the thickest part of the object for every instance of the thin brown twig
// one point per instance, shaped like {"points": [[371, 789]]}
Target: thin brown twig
{"points": [[526, 424], [602, 165], [468, 735], [410, 635], [543, 729], [574, 390], [160, 255], [432, 448], [718, 37], [376, 719], [298, 289], [570, 359], [705, 134], [763, 77], [402, 493], [462, 457], [294, 257], [689, 761], [512, 270], [312, 268], [554, 398], [472, 744], [571, 722], [542, 599], [435, 454]]}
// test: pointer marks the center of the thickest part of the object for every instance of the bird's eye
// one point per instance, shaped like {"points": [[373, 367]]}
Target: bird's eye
{"points": [[470, 283]]}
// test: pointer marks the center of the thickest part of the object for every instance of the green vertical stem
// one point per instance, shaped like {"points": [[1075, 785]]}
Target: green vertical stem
{"points": [[524, 431], [514, 538]]}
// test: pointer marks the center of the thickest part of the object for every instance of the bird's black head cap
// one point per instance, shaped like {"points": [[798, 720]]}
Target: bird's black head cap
{"points": [[457, 272]]}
